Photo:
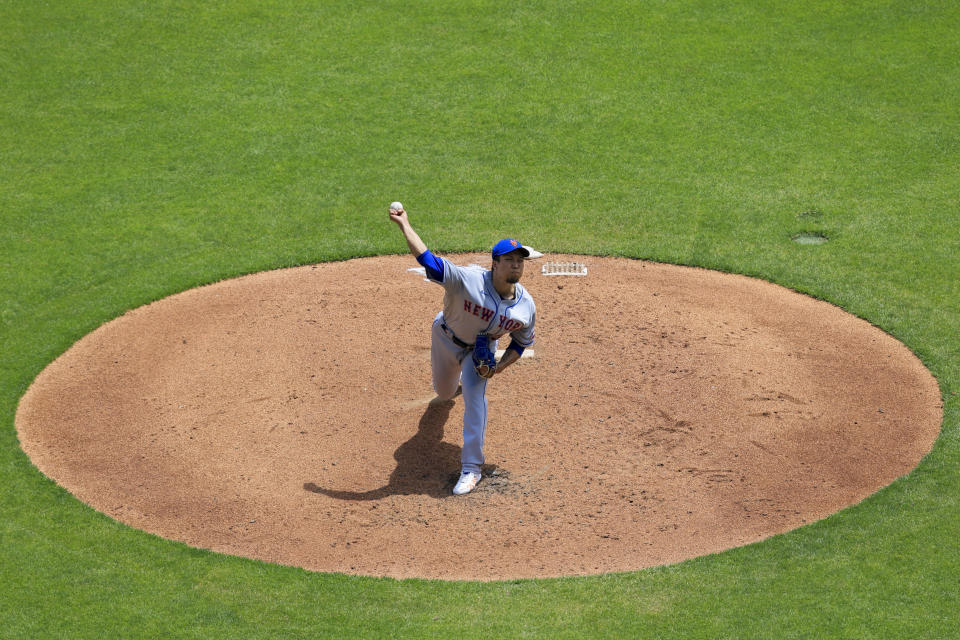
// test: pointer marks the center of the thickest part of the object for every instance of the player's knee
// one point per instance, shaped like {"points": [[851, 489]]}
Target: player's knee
{"points": [[447, 396], [446, 391]]}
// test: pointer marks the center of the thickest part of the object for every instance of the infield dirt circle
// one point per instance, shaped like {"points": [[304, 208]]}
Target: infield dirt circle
{"points": [[666, 413]]}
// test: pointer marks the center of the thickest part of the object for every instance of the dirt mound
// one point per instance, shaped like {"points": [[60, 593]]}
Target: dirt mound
{"points": [[667, 412]]}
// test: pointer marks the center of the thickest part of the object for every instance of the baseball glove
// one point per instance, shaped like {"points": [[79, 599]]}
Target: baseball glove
{"points": [[484, 360]]}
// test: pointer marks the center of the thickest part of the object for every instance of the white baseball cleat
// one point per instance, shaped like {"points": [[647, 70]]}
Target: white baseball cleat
{"points": [[467, 483]]}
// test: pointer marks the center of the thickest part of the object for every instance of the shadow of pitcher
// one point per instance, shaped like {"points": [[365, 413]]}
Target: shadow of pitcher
{"points": [[426, 465]]}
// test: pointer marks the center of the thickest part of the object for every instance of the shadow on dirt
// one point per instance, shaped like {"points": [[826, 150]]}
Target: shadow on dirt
{"points": [[425, 463]]}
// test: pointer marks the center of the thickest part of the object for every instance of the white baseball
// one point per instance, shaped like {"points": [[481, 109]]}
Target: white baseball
{"points": [[396, 206]]}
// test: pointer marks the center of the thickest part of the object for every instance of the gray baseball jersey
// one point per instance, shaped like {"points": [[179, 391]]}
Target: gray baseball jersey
{"points": [[471, 305]]}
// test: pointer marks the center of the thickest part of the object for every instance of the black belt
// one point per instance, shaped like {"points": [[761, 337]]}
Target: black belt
{"points": [[457, 341]]}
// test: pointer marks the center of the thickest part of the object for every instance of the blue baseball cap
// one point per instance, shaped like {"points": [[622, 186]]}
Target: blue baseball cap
{"points": [[509, 245]]}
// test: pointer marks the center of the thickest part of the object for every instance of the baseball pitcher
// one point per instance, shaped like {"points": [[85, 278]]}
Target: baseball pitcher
{"points": [[479, 307]]}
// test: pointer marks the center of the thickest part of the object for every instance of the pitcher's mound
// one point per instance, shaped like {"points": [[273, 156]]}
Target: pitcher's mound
{"points": [[668, 412]]}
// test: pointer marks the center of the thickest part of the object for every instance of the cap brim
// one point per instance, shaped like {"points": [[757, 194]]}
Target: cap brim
{"points": [[521, 250]]}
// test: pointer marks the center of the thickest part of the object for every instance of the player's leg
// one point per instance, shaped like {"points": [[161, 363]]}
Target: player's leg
{"points": [[474, 417], [444, 362]]}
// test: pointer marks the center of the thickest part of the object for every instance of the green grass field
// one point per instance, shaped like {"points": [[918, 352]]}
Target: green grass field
{"points": [[146, 148]]}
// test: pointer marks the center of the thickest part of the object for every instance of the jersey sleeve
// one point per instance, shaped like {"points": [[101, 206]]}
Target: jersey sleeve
{"points": [[442, 271], [525, 336], [432, 264]]}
